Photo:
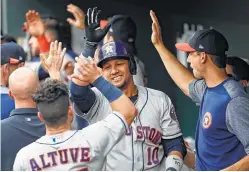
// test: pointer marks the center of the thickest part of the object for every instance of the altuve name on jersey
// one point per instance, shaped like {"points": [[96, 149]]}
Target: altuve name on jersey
{"points": [[60, 157]]}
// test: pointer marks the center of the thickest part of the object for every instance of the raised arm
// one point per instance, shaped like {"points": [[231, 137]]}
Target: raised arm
{"points": [[118, 101], [181, 75], [79, 16], [36, 27]]}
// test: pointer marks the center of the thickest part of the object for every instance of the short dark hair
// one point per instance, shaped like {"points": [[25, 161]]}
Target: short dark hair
{"points": [[240, 68], [61, 29], [52, 99], [218, 60]]}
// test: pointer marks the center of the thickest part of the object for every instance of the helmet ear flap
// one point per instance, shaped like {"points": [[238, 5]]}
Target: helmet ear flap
{"points": [[132, 65]]}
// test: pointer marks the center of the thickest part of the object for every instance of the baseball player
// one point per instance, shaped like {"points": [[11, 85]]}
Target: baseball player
{"points": [[222, 142], [123, 29], [155, 133], [65, 149]]}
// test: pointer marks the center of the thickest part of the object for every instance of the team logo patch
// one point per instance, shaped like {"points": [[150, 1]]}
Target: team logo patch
{"points": [[207, 120], [109, 49]]}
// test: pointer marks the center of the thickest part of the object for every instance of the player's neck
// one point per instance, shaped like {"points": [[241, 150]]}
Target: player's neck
{"points": [[57, 130], [130, 90], [215, 77], [24, 103]]}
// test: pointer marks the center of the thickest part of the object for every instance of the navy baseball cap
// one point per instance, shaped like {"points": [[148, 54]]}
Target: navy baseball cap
{"points": [[123, 28], [113, 50], [12, 53], [208, 40]]}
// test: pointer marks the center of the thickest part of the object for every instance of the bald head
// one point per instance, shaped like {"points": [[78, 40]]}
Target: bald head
{"points": [[23, 83]]}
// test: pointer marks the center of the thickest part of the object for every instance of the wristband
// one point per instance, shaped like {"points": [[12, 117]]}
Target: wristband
{"points": [[111, 92], [44, 45], [173, 163]]}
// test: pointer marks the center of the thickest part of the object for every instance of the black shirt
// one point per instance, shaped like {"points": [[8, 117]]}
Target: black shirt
{"points": [[19, 130]]}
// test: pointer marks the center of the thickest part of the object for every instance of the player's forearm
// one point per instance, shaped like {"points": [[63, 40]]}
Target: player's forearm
{"points": [[44, 45], [181, 75], [175, 151], [118, 101], [125, 107], [189, 159], [83, 96], [242, 165]]}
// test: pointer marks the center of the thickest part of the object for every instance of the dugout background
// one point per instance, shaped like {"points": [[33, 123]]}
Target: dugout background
{"points": [[228, 16]]}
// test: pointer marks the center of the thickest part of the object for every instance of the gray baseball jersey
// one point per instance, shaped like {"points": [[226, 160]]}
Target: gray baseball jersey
{"points": [[80, 150], [140, 148]]}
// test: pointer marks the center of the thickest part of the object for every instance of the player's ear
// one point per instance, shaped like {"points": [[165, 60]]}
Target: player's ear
{"points": [[21, 64], [203, 57], [70, 111], [40, 116], [10, 94]]}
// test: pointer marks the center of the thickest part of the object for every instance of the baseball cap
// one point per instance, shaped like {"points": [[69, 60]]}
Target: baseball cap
{"points": [[113, 50], [208, 40], [12, 53], [123, 28]]}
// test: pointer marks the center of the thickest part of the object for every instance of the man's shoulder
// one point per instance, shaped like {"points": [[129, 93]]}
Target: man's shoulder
{"points": [[27, 150], [235, 89], [5, 122], [8, 123], [157, 94]]}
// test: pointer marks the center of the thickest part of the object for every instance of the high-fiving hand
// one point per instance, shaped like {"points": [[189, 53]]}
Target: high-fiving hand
{"points": [[53, 62], [87, 68], [79, 15], [94, 34], [156, 36], [34, 24]]}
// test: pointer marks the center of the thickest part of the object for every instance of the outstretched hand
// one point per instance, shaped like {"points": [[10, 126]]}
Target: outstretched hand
{"points": [[87, 68], [94, 34], [156, 36], [53, 62], [34, 24], [79, 15]]}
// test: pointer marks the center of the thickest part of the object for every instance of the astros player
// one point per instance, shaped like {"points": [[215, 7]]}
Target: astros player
{"points": [[65, 149], [154, 134]]}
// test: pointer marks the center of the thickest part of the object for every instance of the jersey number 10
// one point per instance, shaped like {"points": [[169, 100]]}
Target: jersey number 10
{"points": [[152, 155]]}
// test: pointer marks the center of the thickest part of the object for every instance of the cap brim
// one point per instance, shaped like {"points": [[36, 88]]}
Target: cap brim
{"points": [[184, 47], [14, 61]]}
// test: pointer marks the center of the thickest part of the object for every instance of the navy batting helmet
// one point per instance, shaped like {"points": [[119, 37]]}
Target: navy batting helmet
{"points": [[117, 50]]}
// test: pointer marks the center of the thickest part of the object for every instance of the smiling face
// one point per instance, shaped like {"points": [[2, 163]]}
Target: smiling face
{"points": [[117, 72]]}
